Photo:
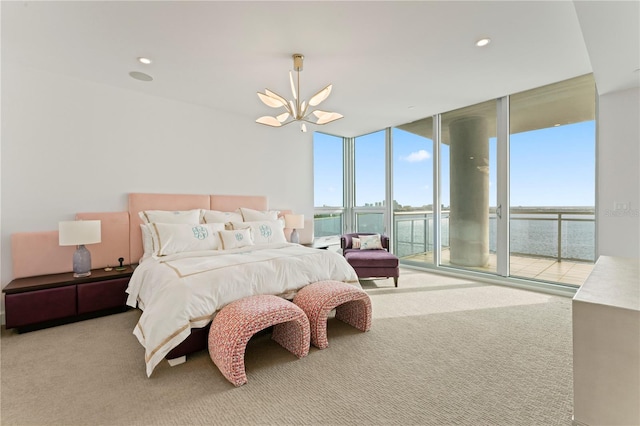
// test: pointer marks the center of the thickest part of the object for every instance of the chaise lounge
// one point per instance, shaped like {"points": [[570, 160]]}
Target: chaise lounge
{"points": [[370, 263]]}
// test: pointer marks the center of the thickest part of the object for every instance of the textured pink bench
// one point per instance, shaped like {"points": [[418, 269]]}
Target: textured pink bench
{"points": [[351, 303], [234, 325]]}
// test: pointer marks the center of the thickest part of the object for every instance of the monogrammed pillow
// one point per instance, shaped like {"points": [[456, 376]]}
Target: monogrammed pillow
{"points": [[170, 238], [235, 238], [263, 232]]}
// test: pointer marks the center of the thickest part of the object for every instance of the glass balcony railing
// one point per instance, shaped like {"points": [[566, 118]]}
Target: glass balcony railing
{"points": [[557, 233]]}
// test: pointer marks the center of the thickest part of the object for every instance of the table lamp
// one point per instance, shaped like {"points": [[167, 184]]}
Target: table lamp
{"points": [[294, 221], [78, 233]]}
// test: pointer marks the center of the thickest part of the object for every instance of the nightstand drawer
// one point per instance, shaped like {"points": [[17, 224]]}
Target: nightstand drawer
{"points": [[38, 306], [102, 295]]}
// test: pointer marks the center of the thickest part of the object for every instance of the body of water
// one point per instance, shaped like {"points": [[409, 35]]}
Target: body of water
{"points": [[530, 235]]}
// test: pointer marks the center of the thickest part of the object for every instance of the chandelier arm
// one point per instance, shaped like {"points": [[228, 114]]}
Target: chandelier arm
{"points": [[303, 113], [273, 96], [306, 118], [321, 95], [288, 122], [281, 99], [297, 109]]}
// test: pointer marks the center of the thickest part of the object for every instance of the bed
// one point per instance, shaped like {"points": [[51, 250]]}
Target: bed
{"points": [[188, 271]]}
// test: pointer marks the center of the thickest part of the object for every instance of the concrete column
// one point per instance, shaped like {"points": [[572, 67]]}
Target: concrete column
{"points": [[469, 191]]}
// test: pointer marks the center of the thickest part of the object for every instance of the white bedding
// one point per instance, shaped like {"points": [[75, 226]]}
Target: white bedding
{"points": [[184, 290]]}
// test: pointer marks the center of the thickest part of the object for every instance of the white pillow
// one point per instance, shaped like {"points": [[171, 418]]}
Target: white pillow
{"points": [[263, 232], [165, 216], [148, 245], [370, 242], [250, 215], [235, 238], [355, 243], [214, 216], [173, 238]]}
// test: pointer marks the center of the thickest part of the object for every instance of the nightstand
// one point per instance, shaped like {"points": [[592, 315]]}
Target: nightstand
{"points": [[46, 300]]}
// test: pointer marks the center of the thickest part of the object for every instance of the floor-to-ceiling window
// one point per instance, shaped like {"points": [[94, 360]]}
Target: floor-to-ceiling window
{"points": [[413, 189], [552, 181], [504, 187], [369, 182], [328, 185]]}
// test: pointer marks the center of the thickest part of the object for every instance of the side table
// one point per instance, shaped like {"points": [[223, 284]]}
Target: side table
{"points": [[46, 300]]}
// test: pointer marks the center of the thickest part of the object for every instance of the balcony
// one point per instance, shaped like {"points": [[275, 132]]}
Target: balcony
{"points": [[548, 244], [555, 244]]}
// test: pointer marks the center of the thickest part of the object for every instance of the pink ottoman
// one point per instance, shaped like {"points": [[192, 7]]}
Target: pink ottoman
{"points": [[351, 303], [234, 325]]}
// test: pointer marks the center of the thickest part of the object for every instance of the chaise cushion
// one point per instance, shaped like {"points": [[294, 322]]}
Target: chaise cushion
{"points": [[371, 258]]}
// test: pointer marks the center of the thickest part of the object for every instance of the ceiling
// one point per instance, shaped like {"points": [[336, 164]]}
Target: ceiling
{"points": [[390, 63]]}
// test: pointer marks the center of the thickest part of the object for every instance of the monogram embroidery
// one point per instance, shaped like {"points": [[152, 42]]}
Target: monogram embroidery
{"points": [[200, 232]]}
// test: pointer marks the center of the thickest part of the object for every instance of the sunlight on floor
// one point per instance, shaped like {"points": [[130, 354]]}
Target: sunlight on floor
{"points": [[424, 293], [537, 268]]}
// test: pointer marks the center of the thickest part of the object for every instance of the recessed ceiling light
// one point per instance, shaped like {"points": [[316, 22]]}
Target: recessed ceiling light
{"points": [[144, 60], [140, 76], [483, 42]]}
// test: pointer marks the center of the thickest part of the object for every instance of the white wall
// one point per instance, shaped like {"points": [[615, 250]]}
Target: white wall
{"points": [[74, 146], [618, 175]]}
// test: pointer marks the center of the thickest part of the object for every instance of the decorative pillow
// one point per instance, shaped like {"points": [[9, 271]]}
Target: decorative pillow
{"points": [[235, 238], [173, 238], [355, 243], [165, 216], [214, 216], [250, 215], [263, 232], [370, 242]]}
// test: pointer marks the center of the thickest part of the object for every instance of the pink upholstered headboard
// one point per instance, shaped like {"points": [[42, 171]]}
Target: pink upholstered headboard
{"points": [[38, 253], [115, 238], [121, 235]]}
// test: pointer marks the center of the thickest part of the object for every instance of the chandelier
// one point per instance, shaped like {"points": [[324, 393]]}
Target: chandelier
{"points": [[295, 109]]}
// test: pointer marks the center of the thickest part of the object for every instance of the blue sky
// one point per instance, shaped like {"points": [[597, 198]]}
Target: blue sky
{"points": [[549, 167]]}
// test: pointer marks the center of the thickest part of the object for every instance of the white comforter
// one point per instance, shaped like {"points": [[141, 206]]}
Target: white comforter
{"points": [[183, 291]]}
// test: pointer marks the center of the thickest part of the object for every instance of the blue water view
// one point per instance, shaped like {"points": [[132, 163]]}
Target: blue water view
{"points": [[533, 234]]}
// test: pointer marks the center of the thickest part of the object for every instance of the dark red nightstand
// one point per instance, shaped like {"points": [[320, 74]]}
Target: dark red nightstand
{"points": [[46, 300]]}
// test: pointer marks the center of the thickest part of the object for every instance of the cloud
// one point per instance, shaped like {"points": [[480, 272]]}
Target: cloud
{"points": [[414, 157]]}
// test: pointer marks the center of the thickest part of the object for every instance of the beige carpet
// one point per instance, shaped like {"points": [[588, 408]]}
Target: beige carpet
{"points": [[441, 351]]}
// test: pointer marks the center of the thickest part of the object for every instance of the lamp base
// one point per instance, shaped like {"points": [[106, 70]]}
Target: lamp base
{"points": [[81, 262], [294, 237]]}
